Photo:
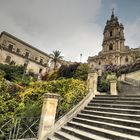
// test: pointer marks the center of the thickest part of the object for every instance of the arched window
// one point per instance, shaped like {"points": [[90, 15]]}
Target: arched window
{"points": [[41, 61], [27, 54], [110, 47], [111, 33], [99, 63], [8, 59], [40, 70], [10, 47], [126, 59], [25, 65], [36, 58], [18, 50]]}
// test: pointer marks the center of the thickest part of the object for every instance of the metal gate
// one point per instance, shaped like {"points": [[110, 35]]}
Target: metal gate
{"points": [[20, 128]]}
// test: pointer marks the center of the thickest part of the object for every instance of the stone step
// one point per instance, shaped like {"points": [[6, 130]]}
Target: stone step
{"points": [[105, 117], [130, 123], [65, 136], [109, 126], [116, 102], [113, 105], [116, 110], [117, 98], [83, 135], [102, 132], [106, 96], [128, 95], [112, 114], [53, 138]]}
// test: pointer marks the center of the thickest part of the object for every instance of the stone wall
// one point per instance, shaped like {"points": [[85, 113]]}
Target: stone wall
{"points": [[130, 89]]}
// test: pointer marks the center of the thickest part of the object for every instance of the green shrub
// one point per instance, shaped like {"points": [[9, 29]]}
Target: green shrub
{"points": [[71, 91], [76, 70], [12, 72], [82, 72], [68, 71], [53, 75], [8, 99], [104, 85], [17, 74]]}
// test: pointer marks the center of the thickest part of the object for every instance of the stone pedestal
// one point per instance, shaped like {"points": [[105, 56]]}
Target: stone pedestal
{"points": [[92, 82], [113, 87], [100, 72], [47, 119]]}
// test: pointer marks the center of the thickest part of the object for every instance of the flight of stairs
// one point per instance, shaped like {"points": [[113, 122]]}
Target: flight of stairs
{"points": [[105, 117]]}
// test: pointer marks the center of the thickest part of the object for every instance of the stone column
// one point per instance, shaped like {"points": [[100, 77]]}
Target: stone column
{"points": [[92, 82], [47, 119], [100, 72], [113, 87]]}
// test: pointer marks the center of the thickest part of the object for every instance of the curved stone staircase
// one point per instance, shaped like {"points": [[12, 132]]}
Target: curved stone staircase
{"points": [[105, 117]]}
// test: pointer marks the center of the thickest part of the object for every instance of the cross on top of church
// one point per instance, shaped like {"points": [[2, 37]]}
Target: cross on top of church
{"points": [[112, 11]]}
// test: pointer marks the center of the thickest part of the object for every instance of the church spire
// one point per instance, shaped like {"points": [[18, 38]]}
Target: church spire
{"points": [[112, 16], [112, 11]]}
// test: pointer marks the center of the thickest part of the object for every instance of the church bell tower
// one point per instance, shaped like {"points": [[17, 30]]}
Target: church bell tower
{"points": [[113, 35], [114, 51]]}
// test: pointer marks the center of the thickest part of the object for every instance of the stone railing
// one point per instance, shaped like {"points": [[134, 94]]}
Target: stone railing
{"points": [[47, 122], [73, 112], [130, 75], [133, 74], [133, 81]]}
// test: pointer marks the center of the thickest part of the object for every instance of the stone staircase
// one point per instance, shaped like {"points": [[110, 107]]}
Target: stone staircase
{"points": [[105, 117]]}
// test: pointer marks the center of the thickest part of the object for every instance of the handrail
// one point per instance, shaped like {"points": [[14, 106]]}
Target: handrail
{"points": [[133, 81], [73, 112]]}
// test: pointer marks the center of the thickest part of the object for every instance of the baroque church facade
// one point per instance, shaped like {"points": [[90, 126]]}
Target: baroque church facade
{"points": [[114, 51]]}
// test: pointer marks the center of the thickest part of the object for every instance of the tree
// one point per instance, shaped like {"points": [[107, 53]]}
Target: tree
{"points": [[12, 73], [56, 58], [68, 71], [81, 72]]}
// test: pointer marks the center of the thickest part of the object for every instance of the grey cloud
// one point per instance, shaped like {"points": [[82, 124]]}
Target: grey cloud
{"points": [[67, 25], [132, 31]]}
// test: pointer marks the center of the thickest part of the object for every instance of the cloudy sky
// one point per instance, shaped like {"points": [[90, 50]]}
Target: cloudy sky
{"points": [[71, 26]]}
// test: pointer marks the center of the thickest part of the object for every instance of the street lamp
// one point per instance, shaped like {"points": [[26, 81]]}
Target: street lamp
{"points": [[81, 56]]}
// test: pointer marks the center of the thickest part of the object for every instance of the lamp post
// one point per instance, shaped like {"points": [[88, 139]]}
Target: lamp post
{"points": [[81, 57]]}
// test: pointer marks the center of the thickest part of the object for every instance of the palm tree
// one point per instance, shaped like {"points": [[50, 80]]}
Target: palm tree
{"points": [[56, 58]]}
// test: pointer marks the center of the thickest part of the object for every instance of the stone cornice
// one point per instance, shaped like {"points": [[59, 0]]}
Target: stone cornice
{"points": [[104, 54], [114, 38]]}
